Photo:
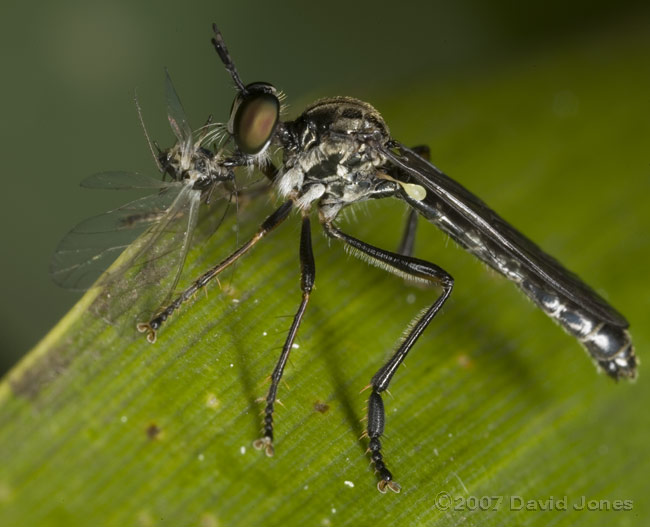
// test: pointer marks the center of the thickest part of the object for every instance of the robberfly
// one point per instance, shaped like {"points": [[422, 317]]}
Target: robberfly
{"points": [[338, 152]]}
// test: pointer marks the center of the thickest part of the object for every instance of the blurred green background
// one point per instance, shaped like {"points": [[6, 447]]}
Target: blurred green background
{"points": [[69, 70]]}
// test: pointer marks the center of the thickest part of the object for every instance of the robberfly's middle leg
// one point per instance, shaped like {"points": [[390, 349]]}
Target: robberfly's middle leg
{"points": [[308, 274]]}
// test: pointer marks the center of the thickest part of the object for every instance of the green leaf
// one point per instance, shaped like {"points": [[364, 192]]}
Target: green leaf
{"points": [[98, 427]]}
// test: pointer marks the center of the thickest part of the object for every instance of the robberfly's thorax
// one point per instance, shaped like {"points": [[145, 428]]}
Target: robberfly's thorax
{"points": [[334, 161]]}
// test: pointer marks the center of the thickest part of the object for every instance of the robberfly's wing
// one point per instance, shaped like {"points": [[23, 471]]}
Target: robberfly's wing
{"points": [[480, 230]]}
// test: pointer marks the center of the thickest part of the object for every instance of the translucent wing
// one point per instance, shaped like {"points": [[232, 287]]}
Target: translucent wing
{"points": [[151, 236], [118, 180], [176, 116], [479, 229], [149, 270], [91, 246]]}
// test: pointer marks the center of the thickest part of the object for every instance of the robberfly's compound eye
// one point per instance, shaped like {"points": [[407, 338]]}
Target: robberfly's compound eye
{"points": [[254, 117]]}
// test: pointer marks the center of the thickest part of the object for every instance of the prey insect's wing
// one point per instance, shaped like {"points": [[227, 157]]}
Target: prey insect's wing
{"points": [[92, 245], [119, 180], [150, 235], [176, 116], [471, 223]]}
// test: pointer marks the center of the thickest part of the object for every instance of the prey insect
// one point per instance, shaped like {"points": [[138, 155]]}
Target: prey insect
{"points": [[339, 152], [161, 223]]}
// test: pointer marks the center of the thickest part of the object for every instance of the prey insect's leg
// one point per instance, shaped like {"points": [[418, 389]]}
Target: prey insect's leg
{"points": [[409, 268], [308, 274], [269, 224], [407, 244]]}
